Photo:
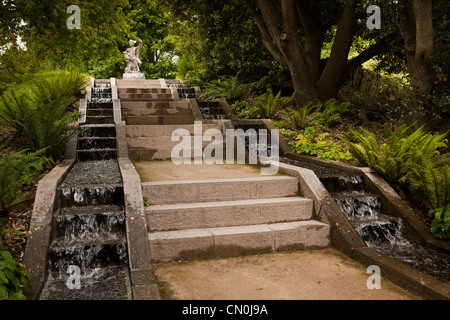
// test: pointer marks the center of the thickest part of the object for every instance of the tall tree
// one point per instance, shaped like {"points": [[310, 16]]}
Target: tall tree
{"points": [[294, 33]]}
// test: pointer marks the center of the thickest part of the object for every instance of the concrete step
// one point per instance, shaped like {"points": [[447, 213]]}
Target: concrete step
{"points": [[165, 130], [164, 153], [159, 119], [237, 241], [128, 107], [190, 191], [227, 213], [146, 96], [142, 84], [143, 90], [160, 142]]}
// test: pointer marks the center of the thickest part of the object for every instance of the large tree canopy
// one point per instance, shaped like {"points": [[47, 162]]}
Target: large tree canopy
{"points": [[96, 47]]}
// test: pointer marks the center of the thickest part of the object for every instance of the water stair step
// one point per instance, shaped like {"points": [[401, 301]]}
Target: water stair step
{"points": [[99, 173], [109, 283], [87, 255], [84, 225], [382, 228], [98, 130], [99, 105], [238, 240], [359, 205], [90, 195], [227, 213], [100, 112], [96, 155], [89, 143], [185, 191], [341, 184]]}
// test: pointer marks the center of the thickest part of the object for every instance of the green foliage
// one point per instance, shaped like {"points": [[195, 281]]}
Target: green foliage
{"points": [[243, 109], [298, 119], [316, 143], [40, 111], [389, 159], [12, 277], [229, 89], [327, 112], [411, 162], [267, 105], [16, 170]]}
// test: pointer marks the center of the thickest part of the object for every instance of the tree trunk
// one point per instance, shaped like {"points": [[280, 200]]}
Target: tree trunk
{"points": [[417, 32], [302, 55], [424, 74], [332, 76]]}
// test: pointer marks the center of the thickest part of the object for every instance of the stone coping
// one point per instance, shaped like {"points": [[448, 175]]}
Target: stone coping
{"points": [[45, 203]]}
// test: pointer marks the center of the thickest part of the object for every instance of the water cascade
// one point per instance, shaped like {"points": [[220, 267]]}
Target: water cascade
{"points": [[212, 110], [186, 93], [376, 227], [88, 245]]}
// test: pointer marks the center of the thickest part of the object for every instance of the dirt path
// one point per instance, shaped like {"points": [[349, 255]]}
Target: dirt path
{"points": [[306, 275]]}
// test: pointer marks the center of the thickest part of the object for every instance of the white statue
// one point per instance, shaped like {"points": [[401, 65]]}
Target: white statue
{"points": [[131, 56], [133, 61]]}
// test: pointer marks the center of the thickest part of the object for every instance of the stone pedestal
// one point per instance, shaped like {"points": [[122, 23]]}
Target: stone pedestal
{"points": [[133, 76]]}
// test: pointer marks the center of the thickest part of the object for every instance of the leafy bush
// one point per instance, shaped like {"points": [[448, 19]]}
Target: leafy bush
{"points": [[327, 112], [229, 89], [12, 277], [243, 109], [267, 105], [40, 112], [298, 119], [17, 170], [411, 162], [389, 159], [315, 143]]}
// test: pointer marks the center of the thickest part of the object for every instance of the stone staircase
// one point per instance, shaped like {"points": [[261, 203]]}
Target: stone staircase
{"points": [[210, 218], [229, 217]]}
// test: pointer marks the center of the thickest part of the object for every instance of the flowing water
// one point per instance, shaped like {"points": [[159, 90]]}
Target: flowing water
{"points": [[376, 227], [212, 110], [88, 245], [186, 93]]}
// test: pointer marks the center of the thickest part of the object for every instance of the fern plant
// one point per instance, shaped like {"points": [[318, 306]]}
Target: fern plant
{"points": [[14, 169], [426, 175], [389, 159], [42, 115], [298, 119], [229, 89], [267, 105], [411, 162]]}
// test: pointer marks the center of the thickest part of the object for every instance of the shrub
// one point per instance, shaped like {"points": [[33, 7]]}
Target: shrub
{"points": [[40, 113], [389, 159], [16, 171], [12, 277], [327, 112], [267, 105], [411, 162], [229, 89], [315, 143], [298, 119]]}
